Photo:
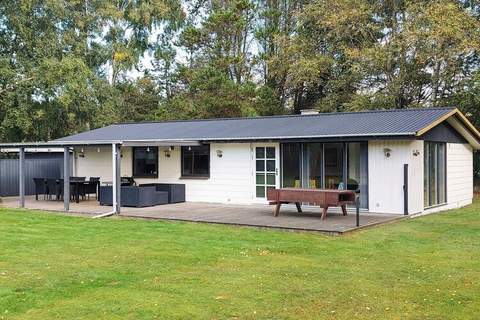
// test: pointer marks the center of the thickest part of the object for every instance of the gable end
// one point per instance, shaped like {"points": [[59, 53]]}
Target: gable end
{"points": [[443, 132]]}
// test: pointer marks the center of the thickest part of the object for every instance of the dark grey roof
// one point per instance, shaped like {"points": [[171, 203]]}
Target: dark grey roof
{"points": [[349, 124]]}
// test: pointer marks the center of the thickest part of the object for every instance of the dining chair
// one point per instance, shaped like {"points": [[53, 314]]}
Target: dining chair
{"points": [[40, 187], [52, 189]]}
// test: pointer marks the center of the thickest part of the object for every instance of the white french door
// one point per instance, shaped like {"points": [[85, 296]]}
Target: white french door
{"points": [[266, 169]]}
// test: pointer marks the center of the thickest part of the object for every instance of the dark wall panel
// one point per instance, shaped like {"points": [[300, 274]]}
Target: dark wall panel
{"points": [[9, 178], [444, 132]]}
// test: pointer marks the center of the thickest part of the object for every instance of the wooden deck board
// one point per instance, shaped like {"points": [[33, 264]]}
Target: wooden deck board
{"points": [[245, 215]]}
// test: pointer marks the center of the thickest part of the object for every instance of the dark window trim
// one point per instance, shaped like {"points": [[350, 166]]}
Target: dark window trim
{"points": [[155, 175], [194, 176]]}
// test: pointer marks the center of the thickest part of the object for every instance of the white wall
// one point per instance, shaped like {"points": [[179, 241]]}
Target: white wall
{"points": [[385, 176], [97, 162], [459, 177], [231, 176]]}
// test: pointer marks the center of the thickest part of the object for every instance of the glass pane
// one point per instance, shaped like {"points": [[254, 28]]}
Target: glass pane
{"points": [[314, 153], [426, 175], [441, 173], [260, 178], [271, 179], [291, 153], [270, 153], [260, 192], [260, 152], [145, 161], [333, 165], [433, 174], [271, 165], [201, 164], [353, 166], [260, 165], [196, 160]]}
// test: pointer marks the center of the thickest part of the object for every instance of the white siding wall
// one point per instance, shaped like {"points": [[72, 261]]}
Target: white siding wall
{"points": [[231, 177], [385, 176], [98, 163], [459, 177]]}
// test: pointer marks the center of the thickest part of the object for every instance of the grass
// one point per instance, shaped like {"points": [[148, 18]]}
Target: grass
{"points": [[60, 267]]}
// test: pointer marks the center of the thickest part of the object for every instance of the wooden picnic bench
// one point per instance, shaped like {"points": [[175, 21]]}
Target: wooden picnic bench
{"points": [[321, 197]]}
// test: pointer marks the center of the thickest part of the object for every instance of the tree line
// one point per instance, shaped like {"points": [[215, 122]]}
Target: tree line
{"points": [[71, 65]]}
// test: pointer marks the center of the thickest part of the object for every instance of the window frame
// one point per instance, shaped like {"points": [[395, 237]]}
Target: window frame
{"points": [[194, 176], [153, 175]]}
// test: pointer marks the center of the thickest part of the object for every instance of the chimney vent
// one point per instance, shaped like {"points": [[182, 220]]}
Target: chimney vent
{"points": [[308, 111]]}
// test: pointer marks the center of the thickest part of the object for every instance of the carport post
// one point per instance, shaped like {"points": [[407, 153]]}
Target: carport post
{"points": [[21, 174], [116, 178], [66, 178]]}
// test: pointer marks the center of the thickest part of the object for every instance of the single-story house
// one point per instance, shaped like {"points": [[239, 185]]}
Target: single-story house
{"points": [[405, 161]]}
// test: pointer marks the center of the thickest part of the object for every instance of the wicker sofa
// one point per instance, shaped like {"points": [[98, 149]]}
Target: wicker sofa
{"points": [[133, 196], [176, 191]]}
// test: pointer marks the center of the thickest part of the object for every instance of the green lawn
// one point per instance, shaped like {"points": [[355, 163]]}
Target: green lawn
{"points": [[59, 267]]}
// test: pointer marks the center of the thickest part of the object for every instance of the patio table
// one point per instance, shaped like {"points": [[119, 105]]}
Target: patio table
{"points": [[324, 198]]}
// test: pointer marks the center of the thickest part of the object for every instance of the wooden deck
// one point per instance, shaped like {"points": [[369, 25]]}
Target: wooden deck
{"points": [[243, 215]]}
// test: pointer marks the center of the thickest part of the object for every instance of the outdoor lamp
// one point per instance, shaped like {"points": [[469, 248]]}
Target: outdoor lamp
{"points": [[387, 152], [219, 153], [167, 153]]}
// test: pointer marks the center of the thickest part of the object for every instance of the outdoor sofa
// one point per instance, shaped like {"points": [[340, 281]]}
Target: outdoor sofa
{"points": [[133, 196], [176, 191]]}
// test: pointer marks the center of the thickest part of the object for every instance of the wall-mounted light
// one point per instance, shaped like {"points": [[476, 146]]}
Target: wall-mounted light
{"points": [[167, 153], [416, 153], [387, 152], [219, 153], [148, 149], [98, 150], [81, 154]]}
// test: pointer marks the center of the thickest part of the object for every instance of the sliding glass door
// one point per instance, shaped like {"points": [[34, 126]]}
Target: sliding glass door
{"points": [[326, 166], [434, 174]]}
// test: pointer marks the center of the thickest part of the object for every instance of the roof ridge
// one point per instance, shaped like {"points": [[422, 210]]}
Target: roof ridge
{"points": [[287, 115]]}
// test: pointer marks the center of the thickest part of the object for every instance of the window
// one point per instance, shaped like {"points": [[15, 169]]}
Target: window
{"points": [[434, 174], [145, 162], [196, 161]]}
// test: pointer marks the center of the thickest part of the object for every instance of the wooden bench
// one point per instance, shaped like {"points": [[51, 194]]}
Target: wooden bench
{"points": [[320, 197]]}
